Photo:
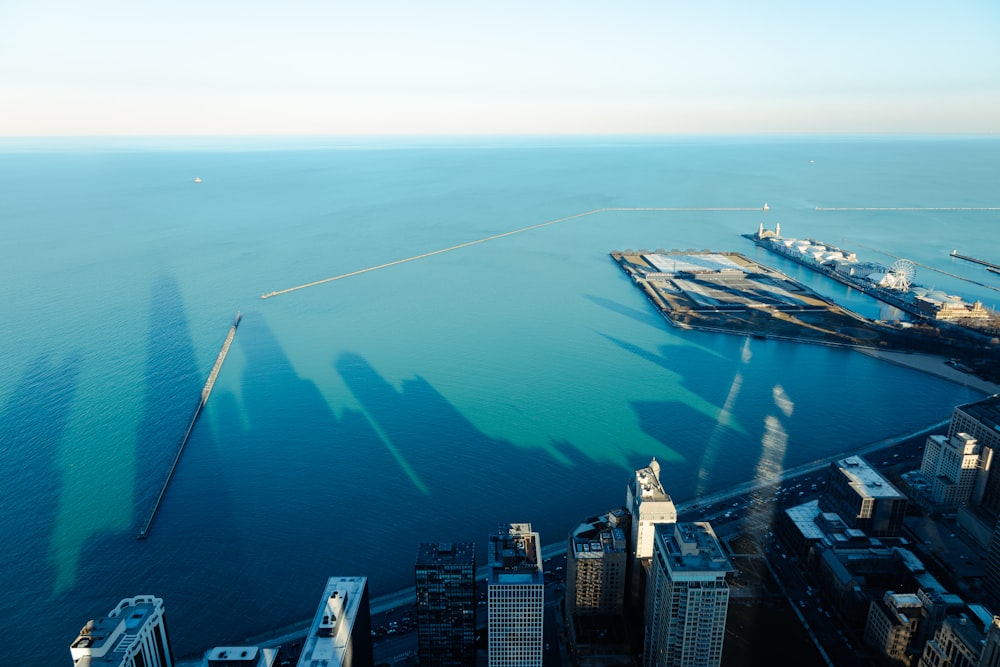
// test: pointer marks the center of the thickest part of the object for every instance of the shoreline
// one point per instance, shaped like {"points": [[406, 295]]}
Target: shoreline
{"points": [[382, 603], [932, 364], [927, 363]]}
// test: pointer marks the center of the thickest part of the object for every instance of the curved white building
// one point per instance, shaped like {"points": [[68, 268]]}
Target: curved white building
{"points": [[133, 633]]}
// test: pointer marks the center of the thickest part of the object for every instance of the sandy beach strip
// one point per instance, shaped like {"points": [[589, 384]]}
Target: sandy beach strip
{"points": [[934, 365]]}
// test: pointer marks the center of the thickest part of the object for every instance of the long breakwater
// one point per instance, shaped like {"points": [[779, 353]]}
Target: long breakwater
{"points": [[907, 208], [982, 262], [205, 393], [491, 238]]}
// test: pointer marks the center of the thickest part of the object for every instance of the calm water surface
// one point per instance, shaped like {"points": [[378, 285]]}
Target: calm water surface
{"points": [[515, 380]]}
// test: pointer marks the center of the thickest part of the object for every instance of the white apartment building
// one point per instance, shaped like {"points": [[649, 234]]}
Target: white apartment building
{"points": [[515, 597]]}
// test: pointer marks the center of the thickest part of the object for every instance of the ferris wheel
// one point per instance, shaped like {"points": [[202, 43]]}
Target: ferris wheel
{"points": [[900, 275]]}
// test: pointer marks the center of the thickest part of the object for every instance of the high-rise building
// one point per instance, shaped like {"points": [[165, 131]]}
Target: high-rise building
{"points": [[596, 562], [240, 656], [949, 467], [687, 597], [341, 631], [596, 576], [991, 573], [990, 656], [445, 575], [863, 498], [648, 504], [981, 421], [516, 597], [892, 625], [959, 640], [133, 634]]}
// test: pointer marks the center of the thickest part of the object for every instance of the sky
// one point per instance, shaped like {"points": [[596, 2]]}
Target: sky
{"points": [[307, 67]]}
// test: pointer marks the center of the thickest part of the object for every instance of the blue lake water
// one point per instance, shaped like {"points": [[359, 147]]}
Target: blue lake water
{"points": [[519, 379]]}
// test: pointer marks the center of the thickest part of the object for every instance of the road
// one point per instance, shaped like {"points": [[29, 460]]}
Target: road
{"points": [[755, 501]]}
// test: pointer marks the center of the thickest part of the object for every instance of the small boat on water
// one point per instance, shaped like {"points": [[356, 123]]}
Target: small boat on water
{"points": [[197, 179]]}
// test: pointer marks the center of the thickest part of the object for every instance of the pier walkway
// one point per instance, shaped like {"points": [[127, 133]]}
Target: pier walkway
{"points": [[205, 392]]}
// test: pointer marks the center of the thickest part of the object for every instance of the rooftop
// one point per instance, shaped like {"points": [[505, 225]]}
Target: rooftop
{"points": [[446, 553], [599, 535], [904, 599], [330, 633], [865, 480], [986, 411], [240, 656], [713, 262], [102, 641], [646, 484], [804, 517], [692, 547], [515, 555]]}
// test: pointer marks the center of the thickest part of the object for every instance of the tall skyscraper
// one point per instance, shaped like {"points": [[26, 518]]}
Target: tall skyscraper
{"points": [[132, 634], [648, 504], [516, 597], [981, 420], [445, 576], [863, 498], [687, 597], [341, 631], [596, 562]]}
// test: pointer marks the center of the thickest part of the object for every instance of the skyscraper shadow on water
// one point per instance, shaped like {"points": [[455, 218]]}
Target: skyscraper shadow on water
{"points": [[171, 393], [32, 426], [277, 489], [176, 561], [451, 462], [647, 317], [699, 441]]}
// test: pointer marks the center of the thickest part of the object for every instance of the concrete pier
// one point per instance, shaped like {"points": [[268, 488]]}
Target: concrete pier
{"points": [[205, 392], [989, 265]]}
